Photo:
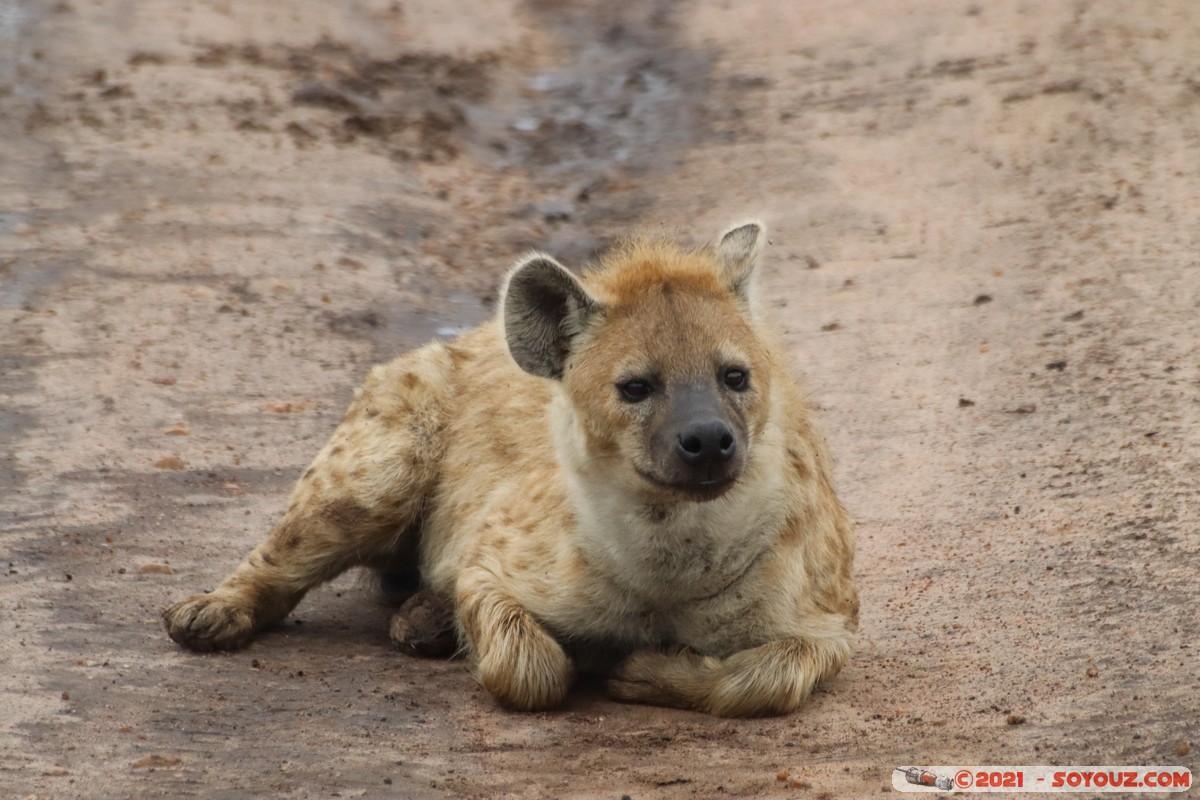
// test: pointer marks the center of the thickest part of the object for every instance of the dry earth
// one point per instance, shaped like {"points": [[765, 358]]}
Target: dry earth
{"points": [[214, 216]]}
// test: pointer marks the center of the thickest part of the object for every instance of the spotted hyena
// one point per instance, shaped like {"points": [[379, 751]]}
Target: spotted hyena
{"points": [[618, 468]]}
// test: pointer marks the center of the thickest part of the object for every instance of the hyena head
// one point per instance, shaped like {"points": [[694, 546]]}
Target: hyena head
{"points": [[664, 375]]}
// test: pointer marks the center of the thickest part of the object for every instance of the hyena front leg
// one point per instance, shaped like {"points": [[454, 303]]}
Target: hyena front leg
{"points": [[516, 659], [363, 490], [774, 678]]}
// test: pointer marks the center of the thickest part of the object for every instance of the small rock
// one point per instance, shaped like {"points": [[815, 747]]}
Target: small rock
{"points": [[1073, 317], [980, 299], [169, 462], [1183, 748], [1014, 719], [1057, 366], [1092, 672], [178, 430], [292, 407], [324, 96], [156, 761], [155, 569], [556, 210], [1024, 408], [965, 403], [163, 380]]}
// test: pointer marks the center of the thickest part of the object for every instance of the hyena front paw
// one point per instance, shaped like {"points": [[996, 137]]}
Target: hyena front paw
{"points": [[667, 678], [207, 622], [527, 672]]}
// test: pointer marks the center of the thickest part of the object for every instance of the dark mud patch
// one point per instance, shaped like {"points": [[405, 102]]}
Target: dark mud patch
{"points": [[627, 97], [16, 379], [413, 105], [594, 130], [589, 130]]}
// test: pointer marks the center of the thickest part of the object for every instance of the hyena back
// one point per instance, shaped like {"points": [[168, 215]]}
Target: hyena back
{"points": [[618, 462]]}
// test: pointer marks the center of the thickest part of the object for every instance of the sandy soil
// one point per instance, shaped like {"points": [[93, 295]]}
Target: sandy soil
{"points": [[214, 216]]}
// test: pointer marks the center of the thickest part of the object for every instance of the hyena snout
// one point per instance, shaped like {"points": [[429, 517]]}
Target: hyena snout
{"points": [[706, 445], [698, 448]]}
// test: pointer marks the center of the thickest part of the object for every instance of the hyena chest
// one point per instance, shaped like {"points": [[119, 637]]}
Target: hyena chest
{"points": [[714, 626], [692, 593]]}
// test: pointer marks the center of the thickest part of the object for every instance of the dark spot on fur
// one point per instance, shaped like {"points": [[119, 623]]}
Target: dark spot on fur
{"points": [[336, 450], [657, 513], [346, 514], [799, 463], [267, 559], [411, 381], [308, 473]]}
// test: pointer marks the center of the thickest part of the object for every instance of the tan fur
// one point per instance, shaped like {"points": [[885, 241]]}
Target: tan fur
{"points": [[533, 512]]}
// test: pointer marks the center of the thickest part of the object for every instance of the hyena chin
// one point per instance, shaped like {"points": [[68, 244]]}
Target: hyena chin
{"points": [[619, 463]]}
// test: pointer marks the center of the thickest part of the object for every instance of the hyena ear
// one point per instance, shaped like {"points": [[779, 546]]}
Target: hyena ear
{"points": [[545, 307], [738, 250]]}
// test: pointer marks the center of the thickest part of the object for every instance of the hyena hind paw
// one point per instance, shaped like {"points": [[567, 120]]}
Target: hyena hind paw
{"points": [[207, 622]]}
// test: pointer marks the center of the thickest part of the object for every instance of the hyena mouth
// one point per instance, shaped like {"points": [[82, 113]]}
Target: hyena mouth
{"points": [[697, 491]]}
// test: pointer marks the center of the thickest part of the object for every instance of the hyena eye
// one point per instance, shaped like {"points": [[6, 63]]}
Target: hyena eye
{"points": [[737, 379], [634, 391]]}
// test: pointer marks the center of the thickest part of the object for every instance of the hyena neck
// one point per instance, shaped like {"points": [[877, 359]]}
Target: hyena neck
{"points": [[670, 551]]}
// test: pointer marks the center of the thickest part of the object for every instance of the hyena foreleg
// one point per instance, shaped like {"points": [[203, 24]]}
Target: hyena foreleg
{"points": [[362, 492], [516, 659]]}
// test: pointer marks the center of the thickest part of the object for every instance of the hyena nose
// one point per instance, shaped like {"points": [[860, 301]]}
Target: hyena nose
{"points": [[708, 442]]}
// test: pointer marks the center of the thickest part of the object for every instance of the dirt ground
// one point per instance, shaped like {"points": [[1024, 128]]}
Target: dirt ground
{"points": [[215, 216]]}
